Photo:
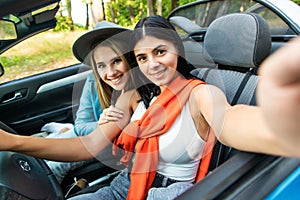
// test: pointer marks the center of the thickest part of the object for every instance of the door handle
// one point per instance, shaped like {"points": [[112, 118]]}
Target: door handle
{"points": [[17, 95]]}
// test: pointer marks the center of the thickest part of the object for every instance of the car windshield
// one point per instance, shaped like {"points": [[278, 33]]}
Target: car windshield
{"points": [[203, 13]]}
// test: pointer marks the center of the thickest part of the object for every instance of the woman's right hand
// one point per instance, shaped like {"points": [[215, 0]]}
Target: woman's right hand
{"points": [[110, 114]]}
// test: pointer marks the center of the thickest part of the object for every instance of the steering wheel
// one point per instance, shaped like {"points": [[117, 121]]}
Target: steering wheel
{"points": [[26, 176]]}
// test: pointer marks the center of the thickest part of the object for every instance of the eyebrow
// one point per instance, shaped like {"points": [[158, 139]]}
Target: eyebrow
{"points": [[159, 46], [154, 49], [110, 61]]}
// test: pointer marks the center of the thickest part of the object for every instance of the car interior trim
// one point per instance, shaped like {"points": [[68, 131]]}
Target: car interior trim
{"points": [[62, 82]]}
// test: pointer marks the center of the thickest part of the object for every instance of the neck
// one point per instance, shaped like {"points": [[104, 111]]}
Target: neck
{"points": [[163, 87]]}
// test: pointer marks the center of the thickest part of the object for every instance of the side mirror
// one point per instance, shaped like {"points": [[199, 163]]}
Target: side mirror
{"points": [[1, 70], [8, 30]]}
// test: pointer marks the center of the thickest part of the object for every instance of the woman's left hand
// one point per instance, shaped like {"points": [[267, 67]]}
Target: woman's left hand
{"points": [[279, 90]]}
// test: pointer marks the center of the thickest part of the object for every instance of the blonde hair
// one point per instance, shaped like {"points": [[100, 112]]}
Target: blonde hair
{"points": [[105, 91]]}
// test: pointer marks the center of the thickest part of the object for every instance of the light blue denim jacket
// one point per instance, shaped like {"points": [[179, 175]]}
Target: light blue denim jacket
{"points": [[89, 109]]}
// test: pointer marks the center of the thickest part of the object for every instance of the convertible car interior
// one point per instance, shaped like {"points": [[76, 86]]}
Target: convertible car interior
{"points": [[232, 48], [235, 72], [226, 54]]}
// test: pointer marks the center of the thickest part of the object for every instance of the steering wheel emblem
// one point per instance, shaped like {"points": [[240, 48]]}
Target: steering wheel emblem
{"points": [[24, 165]]}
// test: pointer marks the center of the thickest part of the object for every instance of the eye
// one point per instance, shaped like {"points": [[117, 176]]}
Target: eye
{"points": [[141, 59], [101, 66], [160, 52], [117, 61]]}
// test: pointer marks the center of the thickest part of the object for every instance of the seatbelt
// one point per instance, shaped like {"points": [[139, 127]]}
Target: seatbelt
{"points": [[241, 88], [235, 100], [253, 99], [205, 75], [219, 146]]}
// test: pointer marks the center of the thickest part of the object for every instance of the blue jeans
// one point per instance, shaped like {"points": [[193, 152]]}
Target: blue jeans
{"points": [[60, 169], [117, 190]]}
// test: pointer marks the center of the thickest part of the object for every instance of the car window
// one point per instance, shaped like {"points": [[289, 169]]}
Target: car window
{"points": [[276, 24], [40, 53], [37, 47], [205, 12]]}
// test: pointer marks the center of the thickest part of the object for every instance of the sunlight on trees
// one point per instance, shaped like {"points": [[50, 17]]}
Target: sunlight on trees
{"points": [[124, 12]]}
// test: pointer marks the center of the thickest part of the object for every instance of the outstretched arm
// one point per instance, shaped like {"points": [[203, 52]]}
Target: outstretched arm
{"points": [[274, 126], [279, 91], [243, 127], [69, 149], [240, 126]]}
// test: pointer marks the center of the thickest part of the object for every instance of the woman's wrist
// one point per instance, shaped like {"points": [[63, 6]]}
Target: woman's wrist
{"points": [[9, 141]]}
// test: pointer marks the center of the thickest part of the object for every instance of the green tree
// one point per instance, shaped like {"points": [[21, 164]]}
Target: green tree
{"points": [[125, 13], [150, 7], [87, 22], [297, 2], [64, 22], [128, 12], [97, 9], [69, 16]]}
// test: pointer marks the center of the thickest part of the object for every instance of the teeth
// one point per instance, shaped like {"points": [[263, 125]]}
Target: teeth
{"points": [[115, 80], [157, 73]]}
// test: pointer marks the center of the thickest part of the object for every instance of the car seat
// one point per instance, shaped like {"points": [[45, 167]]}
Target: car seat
{"points": [[237, 43]]}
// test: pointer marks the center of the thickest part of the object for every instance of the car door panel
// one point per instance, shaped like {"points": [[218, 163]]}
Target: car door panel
{"points": [[29, 103], [243, 176]]}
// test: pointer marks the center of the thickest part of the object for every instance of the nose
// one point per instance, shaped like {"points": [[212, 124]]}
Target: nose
{"points": [[111, 71], [153, 62]]}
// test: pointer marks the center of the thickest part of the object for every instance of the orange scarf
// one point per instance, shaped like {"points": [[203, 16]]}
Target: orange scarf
{"points": [[142, 136]]}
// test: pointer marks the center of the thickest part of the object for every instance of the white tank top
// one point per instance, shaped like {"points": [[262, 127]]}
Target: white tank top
{"points": [[180, 148]]}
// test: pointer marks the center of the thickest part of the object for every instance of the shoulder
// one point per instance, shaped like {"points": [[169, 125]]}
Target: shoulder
{"points": [[128, 100], [207, 93], [90, 81], [130, 94], [208, 99], [90, 77]]}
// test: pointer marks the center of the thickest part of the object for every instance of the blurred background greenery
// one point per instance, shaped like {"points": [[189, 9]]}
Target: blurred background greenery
{"points": [[123, 12]]}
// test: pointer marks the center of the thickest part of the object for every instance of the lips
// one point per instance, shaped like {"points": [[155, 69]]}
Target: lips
{"points": [[158, 74], [116, 80]]}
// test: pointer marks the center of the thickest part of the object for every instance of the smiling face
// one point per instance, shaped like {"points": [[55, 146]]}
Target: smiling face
{"points": [[111, 68], [157, 59]]}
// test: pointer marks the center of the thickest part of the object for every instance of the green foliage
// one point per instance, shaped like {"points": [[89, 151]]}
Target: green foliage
{"points": [[297, 2], [65, 24], [182, 2], [119, 11], [139, 9]]}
